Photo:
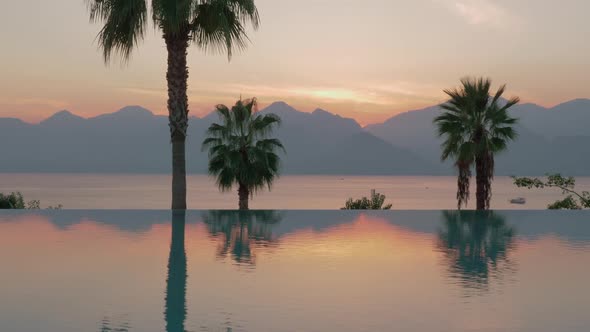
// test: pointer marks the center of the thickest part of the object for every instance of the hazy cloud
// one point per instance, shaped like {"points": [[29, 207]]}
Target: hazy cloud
{"points": [[389, 94], [367, 103], [34, 102], [146, 92], [480, 12]]}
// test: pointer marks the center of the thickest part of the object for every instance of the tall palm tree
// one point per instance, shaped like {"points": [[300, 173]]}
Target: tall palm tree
{"points": [[209, 24], [240, 150], [475, 126]]}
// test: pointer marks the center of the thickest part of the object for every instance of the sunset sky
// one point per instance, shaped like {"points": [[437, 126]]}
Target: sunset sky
{"points": [[364, 59]]}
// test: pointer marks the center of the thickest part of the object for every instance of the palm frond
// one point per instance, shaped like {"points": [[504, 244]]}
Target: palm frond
{"points": [[270, 144], [172, 17], [124, 27], [499, 94], [219, 25]]}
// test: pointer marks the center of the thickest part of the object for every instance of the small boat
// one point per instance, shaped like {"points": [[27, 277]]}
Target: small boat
{"points": [[518, 200]]}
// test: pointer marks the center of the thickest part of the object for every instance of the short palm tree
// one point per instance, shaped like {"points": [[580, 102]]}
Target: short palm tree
{"points": [[209, 24], [475, 125], [240, 150]]}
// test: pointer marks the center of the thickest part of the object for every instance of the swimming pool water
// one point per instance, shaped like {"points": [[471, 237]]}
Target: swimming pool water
{"points": [[76, 270]]}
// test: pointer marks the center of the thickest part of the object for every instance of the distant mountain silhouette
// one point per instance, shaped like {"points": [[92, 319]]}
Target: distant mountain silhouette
{"points": [[550, 139], [62, 118], [135, 140], [567, 119], [323, 143]]}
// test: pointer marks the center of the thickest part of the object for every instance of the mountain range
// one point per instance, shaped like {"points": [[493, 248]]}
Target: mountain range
{"points": [[134, 140], [553, 139]]}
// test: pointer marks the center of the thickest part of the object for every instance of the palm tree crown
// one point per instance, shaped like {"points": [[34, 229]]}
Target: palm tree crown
{"points": [[241, 151], [217, 25], [475, 125]]}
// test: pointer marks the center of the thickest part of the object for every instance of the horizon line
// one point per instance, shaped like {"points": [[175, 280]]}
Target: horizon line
{"points": [[272, 103]]}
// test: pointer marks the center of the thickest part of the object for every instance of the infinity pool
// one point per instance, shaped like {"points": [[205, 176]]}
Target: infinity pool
{"points": [[75, 271]]}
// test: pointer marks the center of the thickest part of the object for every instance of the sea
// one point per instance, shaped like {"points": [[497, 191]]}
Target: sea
{"points": [[296, 192]]}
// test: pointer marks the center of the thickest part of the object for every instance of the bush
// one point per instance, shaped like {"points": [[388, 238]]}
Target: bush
{"points": [[15, 200], [573, 201], [12, 201], [374, 203]]}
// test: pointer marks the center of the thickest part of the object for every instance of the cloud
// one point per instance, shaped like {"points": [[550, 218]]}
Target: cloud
{"points": [[374, 100], [391, 94], [145, 92], [480, 12], [35, 102]]}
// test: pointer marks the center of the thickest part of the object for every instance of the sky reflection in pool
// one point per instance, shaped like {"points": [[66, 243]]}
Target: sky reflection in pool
{"points": [[294, 271]]}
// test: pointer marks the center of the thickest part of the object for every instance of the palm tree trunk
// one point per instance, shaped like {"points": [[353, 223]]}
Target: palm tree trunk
{"points": [[177, 76], [243, 194], [463, 182], [480, 183], [484, 167]]}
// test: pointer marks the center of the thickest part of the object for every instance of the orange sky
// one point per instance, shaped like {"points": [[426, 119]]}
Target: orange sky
{"points": [[368, 60]]}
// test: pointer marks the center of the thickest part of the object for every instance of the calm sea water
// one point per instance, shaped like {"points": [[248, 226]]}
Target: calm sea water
{"points": [[150, 271], [111, 191]]}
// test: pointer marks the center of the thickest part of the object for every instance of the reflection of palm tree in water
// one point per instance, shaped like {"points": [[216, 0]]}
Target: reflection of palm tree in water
{"points": [[476, 246], [106, 325], [175, 312], [240, 229]]}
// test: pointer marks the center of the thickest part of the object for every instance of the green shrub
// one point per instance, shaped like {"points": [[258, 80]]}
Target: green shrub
{"points": [[12, 201], [573, 201], [374, 203], [15, 200]]}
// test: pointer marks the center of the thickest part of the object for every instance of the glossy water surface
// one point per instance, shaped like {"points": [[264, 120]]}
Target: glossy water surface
{"points": [[75, 271]]}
